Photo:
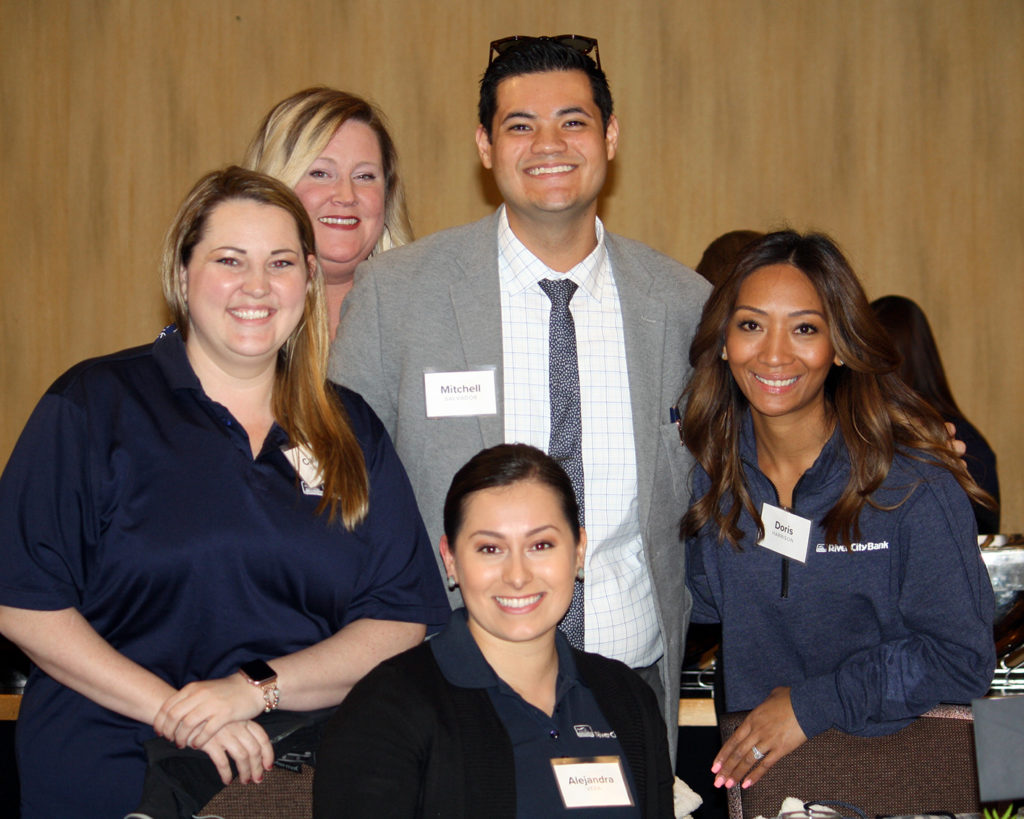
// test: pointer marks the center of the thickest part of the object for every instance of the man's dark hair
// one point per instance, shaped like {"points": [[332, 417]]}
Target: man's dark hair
{"points": [[535, 57]]}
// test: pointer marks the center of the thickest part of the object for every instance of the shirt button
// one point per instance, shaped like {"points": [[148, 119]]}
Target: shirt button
{"points": [[553, 733]]}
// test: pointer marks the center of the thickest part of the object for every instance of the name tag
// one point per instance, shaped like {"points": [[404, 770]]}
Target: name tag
{"points": [[455, 394], [785, 533], [307, 468], [592, 782]]}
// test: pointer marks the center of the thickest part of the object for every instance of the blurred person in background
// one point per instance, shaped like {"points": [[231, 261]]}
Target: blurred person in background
{"points": [[921, 368], [720, 256]]}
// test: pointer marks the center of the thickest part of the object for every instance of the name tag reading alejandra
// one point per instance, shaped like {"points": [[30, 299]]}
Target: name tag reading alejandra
{"points": [[592, 782], [458, 394]]}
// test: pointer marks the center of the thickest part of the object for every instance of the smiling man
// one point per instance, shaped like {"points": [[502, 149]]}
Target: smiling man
{"points": [[590, 381]]}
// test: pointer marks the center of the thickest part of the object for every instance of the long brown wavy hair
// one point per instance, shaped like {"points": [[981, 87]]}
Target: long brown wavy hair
{"points": [[308, 410], [876, 412]]}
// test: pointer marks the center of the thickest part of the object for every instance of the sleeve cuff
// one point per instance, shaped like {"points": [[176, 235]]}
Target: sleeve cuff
{"points": [[816, 704]]}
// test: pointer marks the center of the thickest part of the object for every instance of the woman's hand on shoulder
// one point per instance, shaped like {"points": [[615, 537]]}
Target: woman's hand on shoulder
{"points": [[245, 743], [193, 715], [772, 729]]}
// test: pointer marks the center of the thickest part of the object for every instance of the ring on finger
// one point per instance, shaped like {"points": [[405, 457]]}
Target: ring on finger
{"points": [[758, 754]]}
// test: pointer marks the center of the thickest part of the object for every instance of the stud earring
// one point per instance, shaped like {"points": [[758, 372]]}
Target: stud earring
{"points": [[579, 574], [452, 583], [724, 356]]}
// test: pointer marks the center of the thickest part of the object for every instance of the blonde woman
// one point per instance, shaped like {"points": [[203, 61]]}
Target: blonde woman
{"points": [[334, 150], [203, 529]]}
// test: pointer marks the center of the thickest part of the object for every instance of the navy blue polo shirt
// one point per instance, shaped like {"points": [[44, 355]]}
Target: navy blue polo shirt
{"points": [[576, 728], [135, 498]]}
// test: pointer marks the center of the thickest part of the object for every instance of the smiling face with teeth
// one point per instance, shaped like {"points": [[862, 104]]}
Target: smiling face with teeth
{"points": [[344, 193], [778, 347], [245, 286], [548, 149], [515, 558]]}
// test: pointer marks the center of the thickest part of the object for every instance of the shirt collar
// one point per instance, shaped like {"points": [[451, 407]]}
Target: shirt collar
{"points": [[831, 465], [519, 270], [169, 353], [463, 665], [172, 359]]}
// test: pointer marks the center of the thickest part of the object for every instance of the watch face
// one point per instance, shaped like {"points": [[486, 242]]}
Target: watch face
{"points": [[258, 671]]}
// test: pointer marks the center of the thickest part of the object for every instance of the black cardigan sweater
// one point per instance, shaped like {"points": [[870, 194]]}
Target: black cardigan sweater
{"points": [[407, 743]]}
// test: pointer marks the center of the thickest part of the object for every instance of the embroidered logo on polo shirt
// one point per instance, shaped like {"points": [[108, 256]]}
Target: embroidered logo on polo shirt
{"points": [[587, 732]]}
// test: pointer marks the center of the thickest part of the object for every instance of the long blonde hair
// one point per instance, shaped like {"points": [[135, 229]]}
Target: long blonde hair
{"points": [[308, 410], [295, 132]]}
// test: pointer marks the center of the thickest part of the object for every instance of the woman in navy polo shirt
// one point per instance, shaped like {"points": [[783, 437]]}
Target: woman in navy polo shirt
{"points": [[830, 532], [498, 716], [203, 529]]}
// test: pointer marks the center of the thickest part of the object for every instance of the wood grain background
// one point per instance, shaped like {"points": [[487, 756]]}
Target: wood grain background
{"points": [[895, 125]]}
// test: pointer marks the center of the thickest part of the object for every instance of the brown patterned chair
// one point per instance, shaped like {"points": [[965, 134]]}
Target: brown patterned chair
{"points": [[926, 767], [281, 795]]}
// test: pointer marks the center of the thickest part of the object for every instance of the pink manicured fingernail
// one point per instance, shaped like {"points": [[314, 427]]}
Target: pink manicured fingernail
{"points": [[747, 783], [719, 781], [716, 767], [730, 782]]}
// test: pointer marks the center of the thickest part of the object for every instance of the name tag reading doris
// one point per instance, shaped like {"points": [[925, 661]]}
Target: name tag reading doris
{"points": [[592, 782], [454, 394], [785, 533]]}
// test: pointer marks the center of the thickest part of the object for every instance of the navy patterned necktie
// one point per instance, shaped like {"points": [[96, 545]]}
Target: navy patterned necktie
{"points": [[565, 444]]}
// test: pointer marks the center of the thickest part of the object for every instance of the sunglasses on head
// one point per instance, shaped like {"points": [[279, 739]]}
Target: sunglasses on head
{"points": [[577, 42]]}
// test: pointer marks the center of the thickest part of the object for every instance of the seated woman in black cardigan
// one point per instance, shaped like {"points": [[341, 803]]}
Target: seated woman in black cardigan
{"points": [[497, 715]]}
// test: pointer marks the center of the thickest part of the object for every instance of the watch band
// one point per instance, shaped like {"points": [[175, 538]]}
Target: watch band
{"points": [[261, 675]]}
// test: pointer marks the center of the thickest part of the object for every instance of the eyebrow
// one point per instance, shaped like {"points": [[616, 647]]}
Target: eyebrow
{"points": [[502, 536], [794, 314], [561, 112], [245, 252]]}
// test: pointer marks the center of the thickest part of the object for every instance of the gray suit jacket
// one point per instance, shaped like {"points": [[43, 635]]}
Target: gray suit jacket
{"points": [[435, 305]]}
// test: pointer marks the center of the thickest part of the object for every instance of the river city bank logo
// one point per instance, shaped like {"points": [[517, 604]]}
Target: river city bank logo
{"points": [[870, 546]]}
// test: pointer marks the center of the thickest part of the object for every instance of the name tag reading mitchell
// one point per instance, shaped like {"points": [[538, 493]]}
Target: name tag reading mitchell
{"points": [[467, 392], [592, 782], [784, 532]]}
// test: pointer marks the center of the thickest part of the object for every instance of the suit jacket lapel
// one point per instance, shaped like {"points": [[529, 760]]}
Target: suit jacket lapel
{"points": [[644, 323], [476, 302]]}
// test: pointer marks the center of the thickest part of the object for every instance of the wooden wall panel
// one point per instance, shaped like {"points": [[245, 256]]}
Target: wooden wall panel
{"points": [[898, 127]]}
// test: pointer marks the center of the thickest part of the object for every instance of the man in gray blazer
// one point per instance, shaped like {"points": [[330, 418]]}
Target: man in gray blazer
{"points": [[447, 340]]}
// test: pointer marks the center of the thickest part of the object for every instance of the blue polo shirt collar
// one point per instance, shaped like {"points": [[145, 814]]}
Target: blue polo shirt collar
{"points": [[170, 356], [462, 663]]}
